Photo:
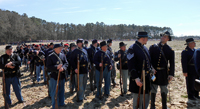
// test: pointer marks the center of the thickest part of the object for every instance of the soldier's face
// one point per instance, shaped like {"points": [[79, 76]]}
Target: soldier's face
{"points": [[104, 48], [165, 38], [9, 52], [58, 50], [123, 48], [110, 44], [145, 39], [80, 45], [192, 44], [95, 45]]}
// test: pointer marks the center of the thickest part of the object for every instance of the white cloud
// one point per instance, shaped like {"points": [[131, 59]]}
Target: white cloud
{"points": [[117, 8]]}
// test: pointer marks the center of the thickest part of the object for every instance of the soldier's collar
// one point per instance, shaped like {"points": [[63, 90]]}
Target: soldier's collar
{"points": [[140, 44]]}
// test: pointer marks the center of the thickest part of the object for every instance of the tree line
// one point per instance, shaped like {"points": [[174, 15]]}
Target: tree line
{"points": [[21, 28]]}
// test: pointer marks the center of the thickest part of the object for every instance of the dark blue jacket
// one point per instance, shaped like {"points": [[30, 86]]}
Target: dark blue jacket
{"points": [[91, 51], [106, 60], [52, 63], [136, 56], [123, 58], [159, 61], [83, 57], [187, 61], [15, 59], [196, 60], [37, 58]]}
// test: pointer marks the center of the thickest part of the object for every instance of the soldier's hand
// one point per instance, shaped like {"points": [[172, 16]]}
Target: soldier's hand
{"points": [[170, 78], [59, 66], [28, 62], [185, 74], [138, 82], [110, 67], [61, 69], [8, 64], [119, 55], [43, 59], [12, 67], [37, 52], [100, 65], [76, 71]]}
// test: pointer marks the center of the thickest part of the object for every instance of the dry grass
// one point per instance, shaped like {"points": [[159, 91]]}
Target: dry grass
{"points": [[36, 96]]}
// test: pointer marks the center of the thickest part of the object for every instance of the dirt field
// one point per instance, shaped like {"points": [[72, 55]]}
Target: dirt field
{"points": [[36, 96]]}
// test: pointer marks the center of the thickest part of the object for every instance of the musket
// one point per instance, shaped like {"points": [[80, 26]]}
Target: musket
{"points": [[144, 85], [56, 96], [4, 87], [120, 70], [101, 77], [78, 68], [138, 99]]}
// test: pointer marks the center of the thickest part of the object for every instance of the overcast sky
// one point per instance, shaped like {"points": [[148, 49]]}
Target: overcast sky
{"points": [[183, 16]]}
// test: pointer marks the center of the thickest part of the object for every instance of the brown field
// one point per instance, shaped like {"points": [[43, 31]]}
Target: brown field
{"points": [[36, 96]]}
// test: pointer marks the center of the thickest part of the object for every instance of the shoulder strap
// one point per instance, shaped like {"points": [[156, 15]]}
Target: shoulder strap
{"points": [[162, 53], [58, 58]]}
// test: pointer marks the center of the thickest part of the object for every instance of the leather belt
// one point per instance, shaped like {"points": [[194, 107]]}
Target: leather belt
{"points": [[83, 65], [160, 68], [11, 72], [191, 64], [126, 62]]}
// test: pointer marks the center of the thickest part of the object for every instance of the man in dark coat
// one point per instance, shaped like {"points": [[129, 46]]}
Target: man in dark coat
{"points": [[91, 51], [57, 62], [189, 71], [162, 54], [137, 56], [83, 58]]}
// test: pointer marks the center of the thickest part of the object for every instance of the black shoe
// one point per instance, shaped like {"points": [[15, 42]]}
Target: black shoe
{"points": [[192, 98], [21, 101], [164, 101], [197, 97], [106, 95], [63, 105], [79, 101], [153, 98]]}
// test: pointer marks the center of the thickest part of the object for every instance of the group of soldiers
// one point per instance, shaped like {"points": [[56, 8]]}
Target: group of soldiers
{"points": [[145, 68]]}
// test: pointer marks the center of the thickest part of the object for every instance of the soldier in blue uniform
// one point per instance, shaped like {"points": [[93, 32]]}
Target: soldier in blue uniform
{"points": [[137, 53], [110, 53], [162, 54], [10, 62], [122, 53], [83, 57], [107, 67], [91, 51], [39, 58], [57, 62], [188, 67], [69, 69]]}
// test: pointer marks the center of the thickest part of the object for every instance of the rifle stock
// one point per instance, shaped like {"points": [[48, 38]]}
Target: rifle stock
{"points": [[4, 87], [120, 63], [140, 89], [78, 68], [101, 77], [56, 96]]}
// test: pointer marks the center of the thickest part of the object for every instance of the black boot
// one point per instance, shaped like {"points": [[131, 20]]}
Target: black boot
{"points": [[153, 98], [164, 100]]}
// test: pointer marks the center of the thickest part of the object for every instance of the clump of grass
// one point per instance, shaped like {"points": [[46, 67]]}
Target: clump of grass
{"points": [[184, 96]]}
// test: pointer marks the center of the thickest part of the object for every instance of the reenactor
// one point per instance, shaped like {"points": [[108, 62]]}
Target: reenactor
{"points": [[162, 55], [69, 69], [100, 56], [110, 53], [57, 63], [39, 58], [80, 53], [188, 67], [122, 53], [91, 51], [11, 62], [139, 61]]}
